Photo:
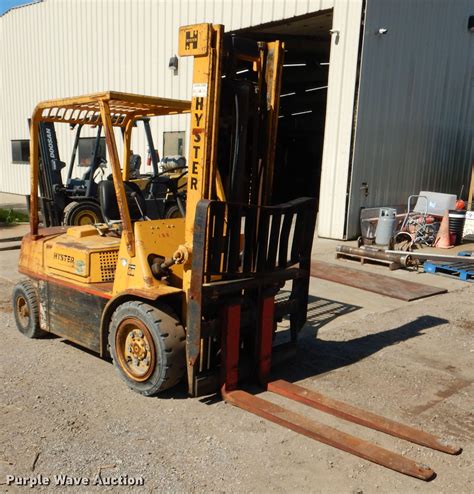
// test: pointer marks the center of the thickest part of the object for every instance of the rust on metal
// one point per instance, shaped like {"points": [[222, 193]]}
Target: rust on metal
{"points": [[135, 349], [360, 416], [328, 435], [230, 317], [266, 323], [85, 109], [101, 290], [273, 74], [383, 285], [194, 306], [73, 314], [22, 311], [117, 177]]}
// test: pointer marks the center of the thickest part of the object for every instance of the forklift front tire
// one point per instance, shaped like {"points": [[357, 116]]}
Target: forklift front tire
{"points": [[82, 213], [147, 345], [26, 310]]}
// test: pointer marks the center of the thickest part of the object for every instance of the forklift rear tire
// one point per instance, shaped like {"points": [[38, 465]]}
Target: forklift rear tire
{"points": [[26, 310], [173, 212], [82, 213], [147, 345]]}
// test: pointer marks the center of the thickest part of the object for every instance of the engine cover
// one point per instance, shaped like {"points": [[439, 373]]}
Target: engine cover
{"points": [[82, 255]]}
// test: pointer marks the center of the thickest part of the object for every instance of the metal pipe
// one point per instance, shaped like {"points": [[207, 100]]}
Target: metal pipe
{"points": [[95, 162], [151, 146], [12, 247], [435, 257], [74, 153], [401, 257], [11, 239], [34, 170]]}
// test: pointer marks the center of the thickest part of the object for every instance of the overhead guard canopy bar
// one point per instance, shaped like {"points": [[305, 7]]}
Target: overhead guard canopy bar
{"points": [[109, 109], [123, 107]]}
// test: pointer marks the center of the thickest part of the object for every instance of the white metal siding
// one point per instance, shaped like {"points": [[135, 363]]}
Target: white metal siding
{"points": [[339, 118], [60, 48], [415, 113]]}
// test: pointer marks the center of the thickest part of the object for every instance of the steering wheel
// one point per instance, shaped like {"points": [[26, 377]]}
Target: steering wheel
{"points": [[179, 167], [152, 179], [100, 168]]}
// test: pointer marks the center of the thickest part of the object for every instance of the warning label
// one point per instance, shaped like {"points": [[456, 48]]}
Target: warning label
{"points": [[200, 90]]}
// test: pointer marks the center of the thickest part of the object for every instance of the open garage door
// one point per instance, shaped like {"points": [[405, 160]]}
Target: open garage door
{"points": [[303, 100]]}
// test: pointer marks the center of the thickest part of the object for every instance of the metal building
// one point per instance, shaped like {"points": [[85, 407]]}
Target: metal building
{"points": [[377, 99]]}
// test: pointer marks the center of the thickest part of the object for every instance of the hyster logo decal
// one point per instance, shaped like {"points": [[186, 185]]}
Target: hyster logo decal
{"points": [[197, 142], [63, 258], [191, 42]]}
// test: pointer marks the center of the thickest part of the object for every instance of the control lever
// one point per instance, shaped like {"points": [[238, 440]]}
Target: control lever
{"points": [[134, 196], [160, 267]]}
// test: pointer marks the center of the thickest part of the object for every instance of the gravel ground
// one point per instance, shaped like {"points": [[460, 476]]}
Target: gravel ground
{"points": [[64, 411]]}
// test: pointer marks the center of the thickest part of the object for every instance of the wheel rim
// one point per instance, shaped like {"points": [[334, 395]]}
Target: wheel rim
{"points": [[23, 311], [135, 349], [86, 218]]}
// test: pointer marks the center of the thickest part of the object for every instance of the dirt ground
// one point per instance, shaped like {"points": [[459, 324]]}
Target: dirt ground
{"points": [[65, 411]]}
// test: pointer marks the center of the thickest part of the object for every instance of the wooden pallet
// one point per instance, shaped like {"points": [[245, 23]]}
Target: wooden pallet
{"points": [[392, 265]]}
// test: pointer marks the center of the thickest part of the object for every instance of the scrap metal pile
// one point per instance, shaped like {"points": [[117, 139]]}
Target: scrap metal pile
{"points": [[399, 238]]}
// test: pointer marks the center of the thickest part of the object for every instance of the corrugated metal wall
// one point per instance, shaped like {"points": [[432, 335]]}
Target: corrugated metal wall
{"points": [[415, 111], [60, 48]]}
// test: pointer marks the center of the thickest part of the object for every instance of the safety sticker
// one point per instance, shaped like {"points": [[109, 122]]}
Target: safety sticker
{"points": [[200, 90]]}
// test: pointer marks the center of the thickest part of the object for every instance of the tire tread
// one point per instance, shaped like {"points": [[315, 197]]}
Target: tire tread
{"points": [[29, 291], [171, 334]]}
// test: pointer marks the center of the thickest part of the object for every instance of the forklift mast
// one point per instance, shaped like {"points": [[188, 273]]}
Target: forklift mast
{"points": [[53, 199], [243, 249], [54, 194], [250, 258]]}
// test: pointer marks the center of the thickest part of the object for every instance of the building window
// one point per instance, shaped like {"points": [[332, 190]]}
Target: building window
{"points": [[21, 151], [173, 143], [86, 150]]}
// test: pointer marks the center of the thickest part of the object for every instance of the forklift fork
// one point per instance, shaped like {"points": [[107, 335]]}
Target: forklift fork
{"points": [[269, 257], [308, 427]]}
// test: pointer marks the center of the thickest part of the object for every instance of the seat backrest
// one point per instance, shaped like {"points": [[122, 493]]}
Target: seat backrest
{"points": [[135, 164], [109, 205]]}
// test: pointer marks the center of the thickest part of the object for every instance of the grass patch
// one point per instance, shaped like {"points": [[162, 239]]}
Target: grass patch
{"points": [[12, 216]]}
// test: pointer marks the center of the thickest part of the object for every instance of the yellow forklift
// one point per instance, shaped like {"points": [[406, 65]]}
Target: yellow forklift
{"points": [[193, 297]]}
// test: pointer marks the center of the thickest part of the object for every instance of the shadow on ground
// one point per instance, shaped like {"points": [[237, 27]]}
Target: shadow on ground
{"points": [[321, 311], [315, 356]]}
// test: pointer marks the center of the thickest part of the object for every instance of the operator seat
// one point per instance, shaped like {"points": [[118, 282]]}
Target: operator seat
{"points": [[109, 205], [135, 164]]}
